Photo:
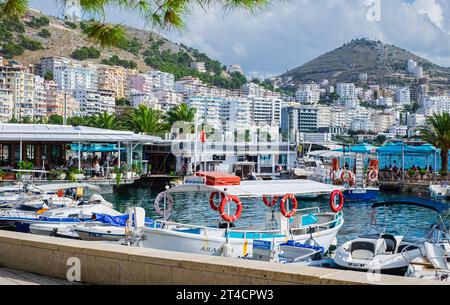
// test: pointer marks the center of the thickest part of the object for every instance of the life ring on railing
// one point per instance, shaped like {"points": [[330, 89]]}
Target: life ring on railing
{"points": [[334, 208], [373, 175], [211, 201], [332, 175], [283, 205], [347, 175], [270, 204], [224, 202], [169, 203]]}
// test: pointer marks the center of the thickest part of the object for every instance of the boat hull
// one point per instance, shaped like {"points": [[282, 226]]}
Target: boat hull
{"points": [[171, 240], [361, 194]]}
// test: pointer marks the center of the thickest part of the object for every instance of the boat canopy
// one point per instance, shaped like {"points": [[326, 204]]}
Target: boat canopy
{"points": [[64, 186], [118, 221], [261, 188], [362, 148], [436, 206]]}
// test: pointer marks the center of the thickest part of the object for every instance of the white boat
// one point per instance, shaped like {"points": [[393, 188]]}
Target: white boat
{"points": [[439, 191], [233, 241], [378, 251], [22, 219], [433, 266]]}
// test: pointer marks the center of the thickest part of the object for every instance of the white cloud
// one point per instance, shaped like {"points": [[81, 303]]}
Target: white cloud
{"points": [[291, 32]]}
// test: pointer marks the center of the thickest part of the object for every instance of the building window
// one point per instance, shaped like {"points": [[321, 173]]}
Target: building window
{"points": [[30, 152], [4, 154]]}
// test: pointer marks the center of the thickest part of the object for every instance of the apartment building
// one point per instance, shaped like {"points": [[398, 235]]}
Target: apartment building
{"points": [[70, 74], [6, 101], [114, 79], [58, 102]]}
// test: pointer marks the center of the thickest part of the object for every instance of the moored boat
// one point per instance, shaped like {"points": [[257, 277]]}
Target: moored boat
{"points": [[227, 239]]}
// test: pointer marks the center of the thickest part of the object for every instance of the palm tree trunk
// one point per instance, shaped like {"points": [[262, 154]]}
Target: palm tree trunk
{"points": [[444, 159]]}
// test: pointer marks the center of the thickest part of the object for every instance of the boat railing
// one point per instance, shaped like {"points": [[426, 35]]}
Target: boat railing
{"points": [[320, 226]]}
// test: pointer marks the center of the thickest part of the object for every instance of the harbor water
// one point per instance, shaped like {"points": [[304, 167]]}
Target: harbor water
{"points": [[195, 209]]}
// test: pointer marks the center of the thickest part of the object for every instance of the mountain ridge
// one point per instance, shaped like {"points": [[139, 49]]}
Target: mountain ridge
{"points": [[383, 63]]}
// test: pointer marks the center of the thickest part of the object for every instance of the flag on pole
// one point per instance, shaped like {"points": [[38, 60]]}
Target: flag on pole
{"points": [[202, 136]]}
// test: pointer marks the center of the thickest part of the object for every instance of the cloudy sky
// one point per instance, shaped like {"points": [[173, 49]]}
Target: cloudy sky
{"points": [[291, 32]]}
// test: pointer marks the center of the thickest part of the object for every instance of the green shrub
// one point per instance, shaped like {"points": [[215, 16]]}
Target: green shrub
{"points": [[36, 23], [29, 43], [116, 61], [44, 33], [71, 25], [9, 50], [85, 53]]}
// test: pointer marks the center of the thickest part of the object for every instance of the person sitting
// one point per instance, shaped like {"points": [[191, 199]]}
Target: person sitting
{"points": [[96, 169]]}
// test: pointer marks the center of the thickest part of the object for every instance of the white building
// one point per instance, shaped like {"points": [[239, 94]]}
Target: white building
{"points": [[70, 74], [89, 101], [40, 96], [162, 80], [403, 95], [199, 66], [435, 104], [346, 90], [265, 111], [137, 98], [6, 101], [235, 68]]}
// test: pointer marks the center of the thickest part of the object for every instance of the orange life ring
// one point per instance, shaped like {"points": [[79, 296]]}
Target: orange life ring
{"points": [[60, 193], [347, 176], [283, 207], [270, 204], [224, 202], [341, 201], [212, 203], [373, 175]]}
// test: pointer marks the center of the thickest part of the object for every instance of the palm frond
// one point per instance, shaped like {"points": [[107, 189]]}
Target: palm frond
{"points": [[12, 8]]}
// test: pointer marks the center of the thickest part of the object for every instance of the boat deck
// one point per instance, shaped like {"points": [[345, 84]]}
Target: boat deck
{"points": [[16, 277]]}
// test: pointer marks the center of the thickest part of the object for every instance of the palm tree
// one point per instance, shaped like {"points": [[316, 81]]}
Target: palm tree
{"points": [[77, 121], [436, 131], [181, 113], [164, 14], [104, 120], [145, 120]]}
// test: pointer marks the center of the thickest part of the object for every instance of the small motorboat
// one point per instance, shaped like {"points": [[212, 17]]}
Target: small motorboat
{"points": [[83, 211], [375, 252], [361, 193], [439, 191], [433, 266], [379, 251]]}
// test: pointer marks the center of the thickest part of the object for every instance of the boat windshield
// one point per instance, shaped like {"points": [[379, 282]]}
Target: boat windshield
{"points": [[375, 231]]}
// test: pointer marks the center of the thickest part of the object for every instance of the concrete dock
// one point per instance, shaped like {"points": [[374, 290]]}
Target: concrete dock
{"points": [[99, 263], [17, 277]]}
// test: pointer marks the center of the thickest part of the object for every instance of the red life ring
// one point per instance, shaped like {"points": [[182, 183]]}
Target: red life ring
{"points": [[212, 203], [60, 193], [224, 202], [270, 204], [373, 175], [283, 207], [341, 201], [347, 176]]}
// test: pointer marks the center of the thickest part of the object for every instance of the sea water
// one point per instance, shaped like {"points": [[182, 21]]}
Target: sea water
{"points": [[193, 208]]}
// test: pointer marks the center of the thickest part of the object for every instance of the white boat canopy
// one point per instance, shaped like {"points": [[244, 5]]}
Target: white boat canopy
{"points": [[64, 186], [261, 188]]}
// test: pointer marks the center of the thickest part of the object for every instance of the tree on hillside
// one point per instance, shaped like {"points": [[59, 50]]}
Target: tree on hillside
{"points": [[162, 14]]}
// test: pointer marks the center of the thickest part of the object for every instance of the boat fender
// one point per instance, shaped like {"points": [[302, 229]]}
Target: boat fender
{"points": [[270, 204], [224, 202], [169, 203], [60, 193], [227, 250], [334, 208], [373, 175], [211, 200], [294, 202]]}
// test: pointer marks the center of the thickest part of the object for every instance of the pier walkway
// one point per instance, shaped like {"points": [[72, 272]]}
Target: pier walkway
{"points": [[16, 277]]}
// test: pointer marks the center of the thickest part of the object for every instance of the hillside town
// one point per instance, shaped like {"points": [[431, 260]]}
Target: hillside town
{"points": [[64, 87]]}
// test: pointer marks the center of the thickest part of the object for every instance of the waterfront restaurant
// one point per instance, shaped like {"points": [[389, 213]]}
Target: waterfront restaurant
{"points": [[49, 146]]}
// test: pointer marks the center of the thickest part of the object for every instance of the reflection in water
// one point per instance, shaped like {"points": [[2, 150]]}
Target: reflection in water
{"points": [[194, 208]]}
